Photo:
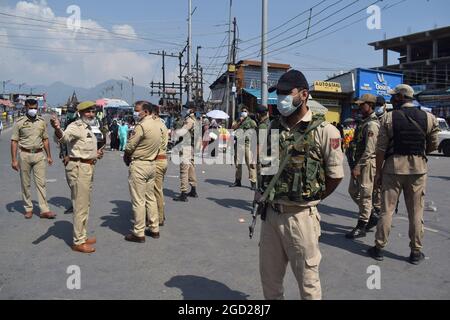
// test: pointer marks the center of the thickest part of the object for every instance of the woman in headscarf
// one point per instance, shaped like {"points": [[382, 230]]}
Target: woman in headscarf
{"points": [[123, 135]]}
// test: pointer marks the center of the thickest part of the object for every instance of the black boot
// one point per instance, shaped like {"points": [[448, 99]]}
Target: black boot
{"points": [[416, 257], [358, 232], [373, 221], [193, 193], [376, 253], [237, 183], [182, 197], [253, 186]]}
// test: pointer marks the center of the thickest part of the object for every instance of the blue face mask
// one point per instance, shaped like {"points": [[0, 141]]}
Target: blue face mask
{"points": [[286, 105], [136, 116], [379, 111]]}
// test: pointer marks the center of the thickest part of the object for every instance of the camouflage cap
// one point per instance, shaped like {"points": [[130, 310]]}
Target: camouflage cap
{"points": [[404, 89], [366, 98]]}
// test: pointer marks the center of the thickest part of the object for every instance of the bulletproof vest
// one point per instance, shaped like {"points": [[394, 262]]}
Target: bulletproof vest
{"points": [[408, 138], [360, 138], [303, 179]]}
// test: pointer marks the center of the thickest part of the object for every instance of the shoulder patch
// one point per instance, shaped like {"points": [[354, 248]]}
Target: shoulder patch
{"points": [[335, 143]]}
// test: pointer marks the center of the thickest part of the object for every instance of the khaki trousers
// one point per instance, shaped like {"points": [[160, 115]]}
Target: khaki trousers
{"points": [[413, 187], [80, 177], [141, 180], [187, 175], [37, 163], [290, 237], [161, 169], [250, 166], [361, 190]]}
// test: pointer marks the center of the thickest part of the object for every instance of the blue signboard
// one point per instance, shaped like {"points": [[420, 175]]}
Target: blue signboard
{"points": [[376, 82]]}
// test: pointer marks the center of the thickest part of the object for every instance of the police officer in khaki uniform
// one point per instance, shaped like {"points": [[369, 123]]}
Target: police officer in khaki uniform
{"points": [[188, 176], [83, 155], [31, 138], [161, 167], [363, 172], [245, 123], [291, 230], [141, 152], [407, 134]]}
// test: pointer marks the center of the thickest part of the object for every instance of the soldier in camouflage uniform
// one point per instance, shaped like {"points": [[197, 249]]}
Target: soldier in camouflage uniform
{"points": [[363, 166], [291, 224]]}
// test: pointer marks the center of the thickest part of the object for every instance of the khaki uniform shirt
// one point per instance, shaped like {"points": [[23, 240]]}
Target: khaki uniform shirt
{"points": [[164, 138], [405, 165], [145, 140], [80, 140], [328, 138], [371, 128], [30, 133]]}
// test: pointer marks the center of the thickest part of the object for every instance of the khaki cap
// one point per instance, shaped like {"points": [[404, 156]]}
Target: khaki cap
{"points": [[85, 105], [404, 89], [366, 98]]}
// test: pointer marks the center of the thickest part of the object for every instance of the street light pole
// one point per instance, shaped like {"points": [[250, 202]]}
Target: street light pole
{"points": [[189, 54]]}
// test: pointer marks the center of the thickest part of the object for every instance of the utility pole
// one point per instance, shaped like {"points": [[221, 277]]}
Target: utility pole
{"points": [[227, 89], [164, 54], [189, 55], [120, 84], [197, 77], [233, 82], [264, 66], [164, 77]]}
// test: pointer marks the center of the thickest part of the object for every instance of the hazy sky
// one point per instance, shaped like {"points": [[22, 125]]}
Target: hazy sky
{"points": [[116, 36]]}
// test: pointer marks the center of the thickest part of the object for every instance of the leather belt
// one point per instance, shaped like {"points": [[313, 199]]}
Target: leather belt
{"points": [[161, 157], [87, 161], [31, 151]]}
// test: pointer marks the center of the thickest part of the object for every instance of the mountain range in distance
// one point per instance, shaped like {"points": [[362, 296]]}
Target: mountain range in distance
{"points": [[58, 93]]}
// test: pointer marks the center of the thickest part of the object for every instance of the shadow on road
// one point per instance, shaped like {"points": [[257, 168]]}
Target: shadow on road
{"points": [[324, 209], [62, 230], [233, 203], [200, 288], [334, 236], [17, 206], [61, 202], [218, 182], [441, 177], [169, 193], [119, 220]]}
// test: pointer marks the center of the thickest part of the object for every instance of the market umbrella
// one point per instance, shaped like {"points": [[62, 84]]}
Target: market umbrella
{"points": [[217, 114]]}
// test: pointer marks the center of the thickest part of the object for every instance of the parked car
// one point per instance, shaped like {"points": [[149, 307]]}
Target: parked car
{"points": [[444, 137]]}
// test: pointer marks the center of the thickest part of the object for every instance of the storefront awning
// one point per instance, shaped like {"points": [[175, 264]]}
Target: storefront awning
{"points": [[272, 99]]}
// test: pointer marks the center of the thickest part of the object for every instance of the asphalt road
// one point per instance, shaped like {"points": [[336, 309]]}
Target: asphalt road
{"points": [[204, 251]]}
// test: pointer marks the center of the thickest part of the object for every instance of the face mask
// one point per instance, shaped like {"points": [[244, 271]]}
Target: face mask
{"points": [[136, 116], [379, 111], [89, 122], [286, 105], [32, 112], [244, 115], [71, 116]]}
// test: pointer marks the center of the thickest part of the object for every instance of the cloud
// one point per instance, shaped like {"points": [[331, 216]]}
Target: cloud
{"points": [[125, 30], [42, 49]]}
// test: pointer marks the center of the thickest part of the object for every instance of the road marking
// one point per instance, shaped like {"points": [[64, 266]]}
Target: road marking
{"points": [[173, 177], [51, 180]]}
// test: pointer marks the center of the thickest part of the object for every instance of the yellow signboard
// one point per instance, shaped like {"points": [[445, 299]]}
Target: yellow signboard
{"points": [[327, 86], [231, 68]]}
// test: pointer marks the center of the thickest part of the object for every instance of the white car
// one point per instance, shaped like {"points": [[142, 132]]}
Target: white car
{"points": [[444, 137]]}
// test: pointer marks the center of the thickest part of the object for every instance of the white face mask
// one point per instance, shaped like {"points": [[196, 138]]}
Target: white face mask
{"points": [[136, 116], [286, 105], [32, 112], [379, 111], [244, 115]]}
